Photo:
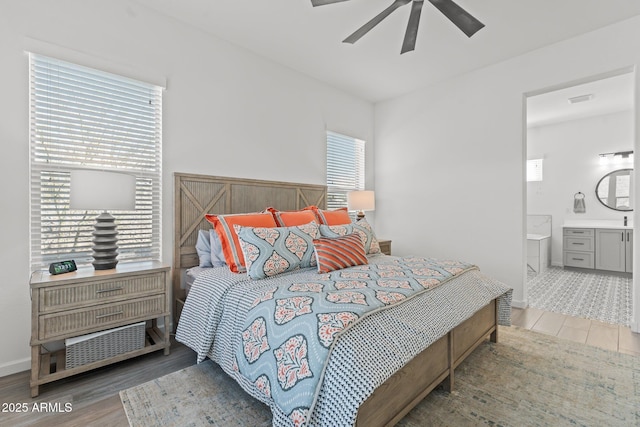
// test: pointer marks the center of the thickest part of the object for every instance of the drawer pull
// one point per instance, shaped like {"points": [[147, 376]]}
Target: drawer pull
{"points": [[104, 291], [578, 259], [579, 244], [102, 316]]}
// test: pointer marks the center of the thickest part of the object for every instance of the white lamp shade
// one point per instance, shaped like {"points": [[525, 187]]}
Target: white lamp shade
{"points": [[100, 190], [361, 200]]}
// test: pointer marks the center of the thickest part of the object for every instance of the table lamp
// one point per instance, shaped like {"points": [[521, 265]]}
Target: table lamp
{"points": [[362, 200], [101, 191]]}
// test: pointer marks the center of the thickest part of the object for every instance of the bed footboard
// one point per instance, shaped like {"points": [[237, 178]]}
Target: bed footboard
{"points": [[390, 402]]}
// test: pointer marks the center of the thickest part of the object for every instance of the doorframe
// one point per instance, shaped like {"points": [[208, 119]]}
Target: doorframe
{"points": [[635, 286]]}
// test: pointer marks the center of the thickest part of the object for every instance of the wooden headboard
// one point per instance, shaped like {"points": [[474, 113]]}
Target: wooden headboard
{"points": [[197, 195]]}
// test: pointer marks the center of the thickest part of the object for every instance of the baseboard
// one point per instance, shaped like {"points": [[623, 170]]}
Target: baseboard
{"points": [[519, 304], [15, 366]]}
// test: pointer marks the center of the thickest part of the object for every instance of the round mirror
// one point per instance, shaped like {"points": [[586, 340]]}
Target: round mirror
{"points": [[614, 190]]}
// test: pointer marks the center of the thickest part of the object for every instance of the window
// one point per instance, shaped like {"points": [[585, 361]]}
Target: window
{"points": [[534, 170], [83, 118], [345, 168]]}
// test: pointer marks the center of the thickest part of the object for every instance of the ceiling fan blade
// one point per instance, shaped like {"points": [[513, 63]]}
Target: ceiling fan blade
{"points": [[460, 17], [375, 21], [323, 2], [411, 34]]}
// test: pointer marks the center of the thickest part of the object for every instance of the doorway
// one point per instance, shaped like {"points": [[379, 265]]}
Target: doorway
{"points": [[573, 132]]}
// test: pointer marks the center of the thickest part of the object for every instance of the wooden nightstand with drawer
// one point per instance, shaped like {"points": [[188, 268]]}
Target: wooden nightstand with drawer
{"points": [[385, 246], [87, 301]]}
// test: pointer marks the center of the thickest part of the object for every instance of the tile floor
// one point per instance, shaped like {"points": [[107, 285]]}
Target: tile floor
{"points": [[591, 332]]}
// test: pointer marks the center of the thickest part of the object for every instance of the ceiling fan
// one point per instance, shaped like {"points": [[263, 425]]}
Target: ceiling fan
{"points": [[460, 17]]}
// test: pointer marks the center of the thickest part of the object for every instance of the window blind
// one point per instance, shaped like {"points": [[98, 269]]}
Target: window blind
{"points": [[534, 170], [345, 168], [83, 118]]}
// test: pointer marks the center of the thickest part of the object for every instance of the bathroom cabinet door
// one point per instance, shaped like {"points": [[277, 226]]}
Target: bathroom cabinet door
{"points": [[611, 253], [629, 250]]}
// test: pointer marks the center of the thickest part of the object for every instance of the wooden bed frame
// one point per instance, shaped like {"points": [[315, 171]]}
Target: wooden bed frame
{"points": [[196, 195]]}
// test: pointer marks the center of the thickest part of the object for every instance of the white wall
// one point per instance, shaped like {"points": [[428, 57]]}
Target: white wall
{"points": [[226, 112], [570, 151], [451, 156]]}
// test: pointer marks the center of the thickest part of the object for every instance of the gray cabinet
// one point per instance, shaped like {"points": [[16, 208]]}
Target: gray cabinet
{"points": [[578, 248], [607, 249], [629, 250], [611, 250]]}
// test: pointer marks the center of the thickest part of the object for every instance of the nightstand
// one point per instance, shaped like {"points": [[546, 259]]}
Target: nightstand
{"points": [[385, 246], [87, 301]]}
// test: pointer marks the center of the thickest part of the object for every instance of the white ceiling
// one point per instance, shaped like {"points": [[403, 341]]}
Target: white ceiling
{"points": [[308, 39], [609, 95]]}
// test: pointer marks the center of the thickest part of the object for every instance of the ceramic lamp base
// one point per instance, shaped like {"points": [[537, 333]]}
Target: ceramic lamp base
{"points": [[105, 242]]}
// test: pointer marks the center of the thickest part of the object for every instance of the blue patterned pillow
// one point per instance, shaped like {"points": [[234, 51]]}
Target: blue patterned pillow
{"points": [[271, 251], [361, 227]]}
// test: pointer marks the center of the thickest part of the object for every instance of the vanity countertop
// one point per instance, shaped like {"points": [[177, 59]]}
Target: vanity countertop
{"points": [[598, 223]]}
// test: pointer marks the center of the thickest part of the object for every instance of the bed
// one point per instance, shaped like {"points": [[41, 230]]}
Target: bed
{"points": [[371, 369]]}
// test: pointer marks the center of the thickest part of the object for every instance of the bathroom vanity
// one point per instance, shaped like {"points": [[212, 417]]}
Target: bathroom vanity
{"points": [[599, 245]]}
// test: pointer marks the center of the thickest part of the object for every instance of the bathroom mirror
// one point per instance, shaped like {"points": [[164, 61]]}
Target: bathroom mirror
{"points": [[614, 190]]}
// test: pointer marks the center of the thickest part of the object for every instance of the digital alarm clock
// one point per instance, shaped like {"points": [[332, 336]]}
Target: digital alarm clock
{"points": [[62, 267]]}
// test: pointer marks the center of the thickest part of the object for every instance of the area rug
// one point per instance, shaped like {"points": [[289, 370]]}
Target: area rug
{"points": [[526, 379], [596, 296]]}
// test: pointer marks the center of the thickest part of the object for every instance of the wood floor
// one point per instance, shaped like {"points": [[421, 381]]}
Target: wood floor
{"points": [[591, 332], [95, 401], [94, 396]]}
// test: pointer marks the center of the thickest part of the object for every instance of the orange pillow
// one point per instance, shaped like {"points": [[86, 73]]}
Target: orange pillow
{"points": [[338, 216], [223, 224], [292, 218]]}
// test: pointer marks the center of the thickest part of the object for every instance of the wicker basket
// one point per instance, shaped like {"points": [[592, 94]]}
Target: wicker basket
{"points": [[102, 345]]}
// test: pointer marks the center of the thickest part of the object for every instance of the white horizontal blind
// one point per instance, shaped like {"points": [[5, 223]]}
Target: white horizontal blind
{"points": [[345, 168], [534, 170], [83, 118]]}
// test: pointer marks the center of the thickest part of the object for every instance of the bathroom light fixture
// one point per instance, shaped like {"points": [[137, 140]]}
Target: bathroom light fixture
{"points": [[623, 154], [617, 157], [581, 98]]}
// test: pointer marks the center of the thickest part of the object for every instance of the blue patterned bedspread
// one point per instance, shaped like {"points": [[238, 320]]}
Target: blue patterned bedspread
{"points": [[290, 329], [280, 347]]}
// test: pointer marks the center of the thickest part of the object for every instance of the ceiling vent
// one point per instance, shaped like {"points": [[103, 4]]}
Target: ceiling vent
{"points": [[581, 98]]}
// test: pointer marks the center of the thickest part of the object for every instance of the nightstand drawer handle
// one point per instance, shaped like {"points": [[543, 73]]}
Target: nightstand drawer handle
{"points": [[102, 316], [103, 291], [578, 259]]}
